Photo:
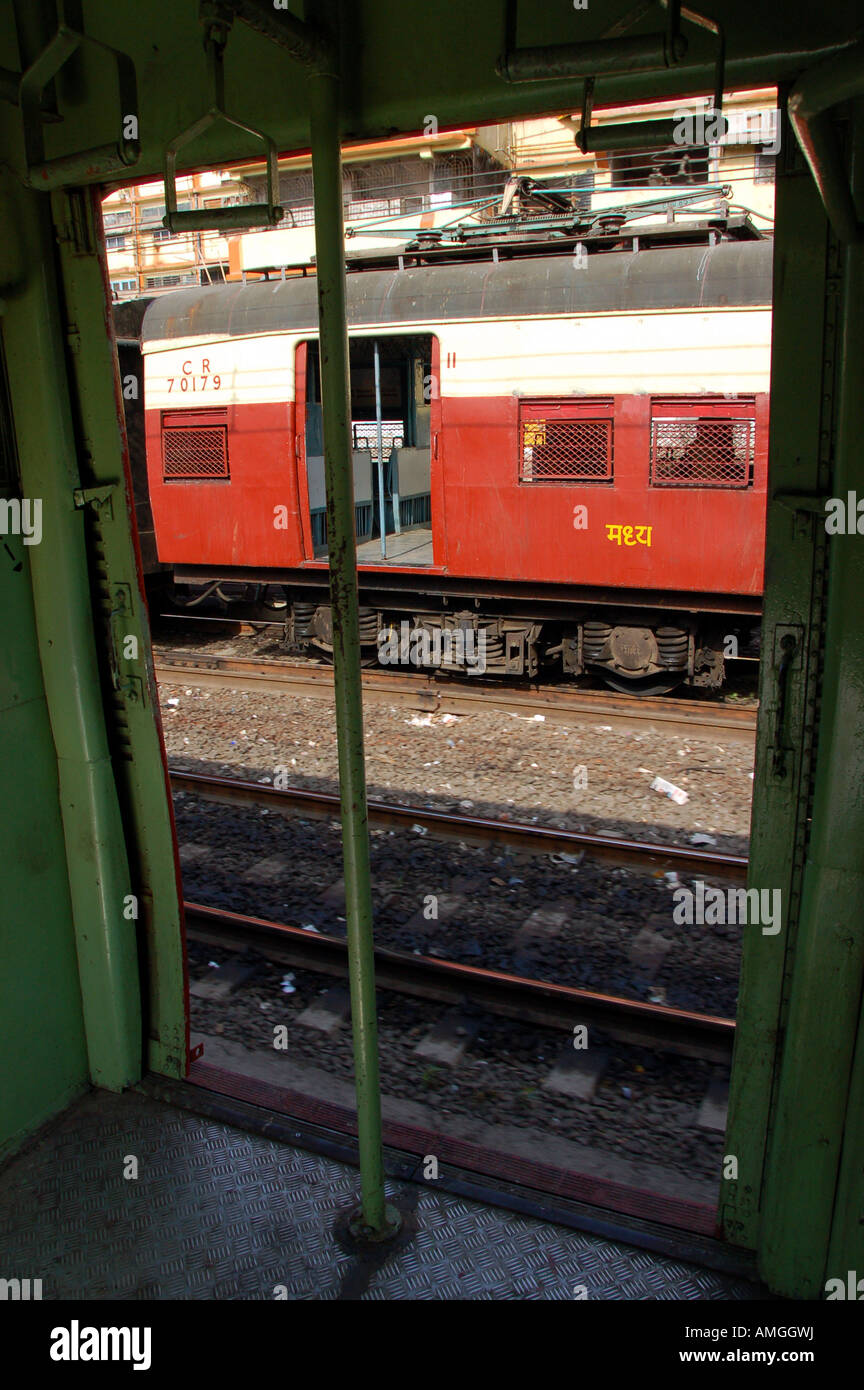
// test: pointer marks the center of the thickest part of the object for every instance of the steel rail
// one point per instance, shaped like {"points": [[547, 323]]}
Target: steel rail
{"points": [[544, 1003], [476, 830], [427, 693]]}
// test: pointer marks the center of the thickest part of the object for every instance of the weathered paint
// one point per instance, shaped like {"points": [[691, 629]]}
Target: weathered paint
{"points": [[97, 861], [139, 762], [348, 692], [728, 275], [678, 352], [485, 522]]}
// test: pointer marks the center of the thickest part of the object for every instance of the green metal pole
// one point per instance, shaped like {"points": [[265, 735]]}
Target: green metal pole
{"points": [[375, 1219]]}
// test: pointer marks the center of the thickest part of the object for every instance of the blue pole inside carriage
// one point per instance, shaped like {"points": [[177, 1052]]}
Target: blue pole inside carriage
{"points": [[394, 487], [394, 481], [382, 517]]}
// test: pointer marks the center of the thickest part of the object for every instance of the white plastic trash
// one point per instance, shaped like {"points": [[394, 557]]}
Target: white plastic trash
{"points": [[669, 789]]}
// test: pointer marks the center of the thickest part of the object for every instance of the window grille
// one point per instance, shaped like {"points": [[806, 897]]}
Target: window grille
{"points": [[565, 441], [195, 444], [365, 433], [696, 450]]}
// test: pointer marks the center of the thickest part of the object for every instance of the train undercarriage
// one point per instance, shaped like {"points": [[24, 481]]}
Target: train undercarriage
{"points": [[641, 651]]}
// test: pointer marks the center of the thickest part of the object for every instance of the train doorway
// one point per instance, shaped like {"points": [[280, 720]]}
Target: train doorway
{"points": [[392, 432]]}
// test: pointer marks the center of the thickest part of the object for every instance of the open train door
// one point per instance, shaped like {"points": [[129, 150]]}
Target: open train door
{"points": [[395, 407]]}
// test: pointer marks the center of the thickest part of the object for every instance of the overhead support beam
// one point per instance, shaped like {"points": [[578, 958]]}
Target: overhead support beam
{"points": [[840, 78], [645, 53], [303, 41], [616, 57]]}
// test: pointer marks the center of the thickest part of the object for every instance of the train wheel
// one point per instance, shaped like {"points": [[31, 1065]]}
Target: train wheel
{"points": [[273, 603], [647, 685], [366, 658]]}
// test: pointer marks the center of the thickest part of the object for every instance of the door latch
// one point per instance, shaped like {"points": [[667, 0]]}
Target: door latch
{"points": [[787, 653]]}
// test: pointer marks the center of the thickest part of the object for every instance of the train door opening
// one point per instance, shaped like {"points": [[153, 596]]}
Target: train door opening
{"points": [[656, 440], [391, 439]]}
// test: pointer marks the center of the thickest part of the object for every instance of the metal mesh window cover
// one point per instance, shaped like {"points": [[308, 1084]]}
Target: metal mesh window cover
{"points": [[365, 433], [195, 444], [702, 451], [565, 443]]}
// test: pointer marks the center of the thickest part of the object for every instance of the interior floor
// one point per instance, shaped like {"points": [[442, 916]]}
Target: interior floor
{"points": [[214, 1211], [412, 547]]}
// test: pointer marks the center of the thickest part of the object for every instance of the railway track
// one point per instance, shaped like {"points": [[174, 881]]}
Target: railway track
{"points": [[701, 1035], [474, 830], [685, 1032], [436, 695]]}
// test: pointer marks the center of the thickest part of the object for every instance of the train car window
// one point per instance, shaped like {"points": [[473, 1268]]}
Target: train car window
{"points": [[703, 444], [765, 167], [194, 445], [566, 441]]}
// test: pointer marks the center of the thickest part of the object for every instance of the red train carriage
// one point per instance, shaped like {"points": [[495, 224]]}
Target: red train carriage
{"points": [[562, 457]]}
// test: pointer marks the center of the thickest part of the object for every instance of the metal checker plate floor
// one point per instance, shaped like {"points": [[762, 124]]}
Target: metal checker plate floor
{"points": [[219, 1213]]}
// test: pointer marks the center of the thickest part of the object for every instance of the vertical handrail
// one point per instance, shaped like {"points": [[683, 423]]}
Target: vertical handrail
{"points": [[382, 518], [376, 1219]]}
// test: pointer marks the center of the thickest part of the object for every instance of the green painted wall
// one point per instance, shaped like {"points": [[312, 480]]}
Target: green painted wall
{"points": [[43, 1055]]}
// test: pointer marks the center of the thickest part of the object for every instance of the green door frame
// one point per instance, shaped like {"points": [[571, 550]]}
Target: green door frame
{"points": [[801, 989]]}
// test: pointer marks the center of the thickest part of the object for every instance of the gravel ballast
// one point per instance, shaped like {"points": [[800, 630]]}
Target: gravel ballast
{"points": [[498, 765], [616, 932], [645, 1107]]}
